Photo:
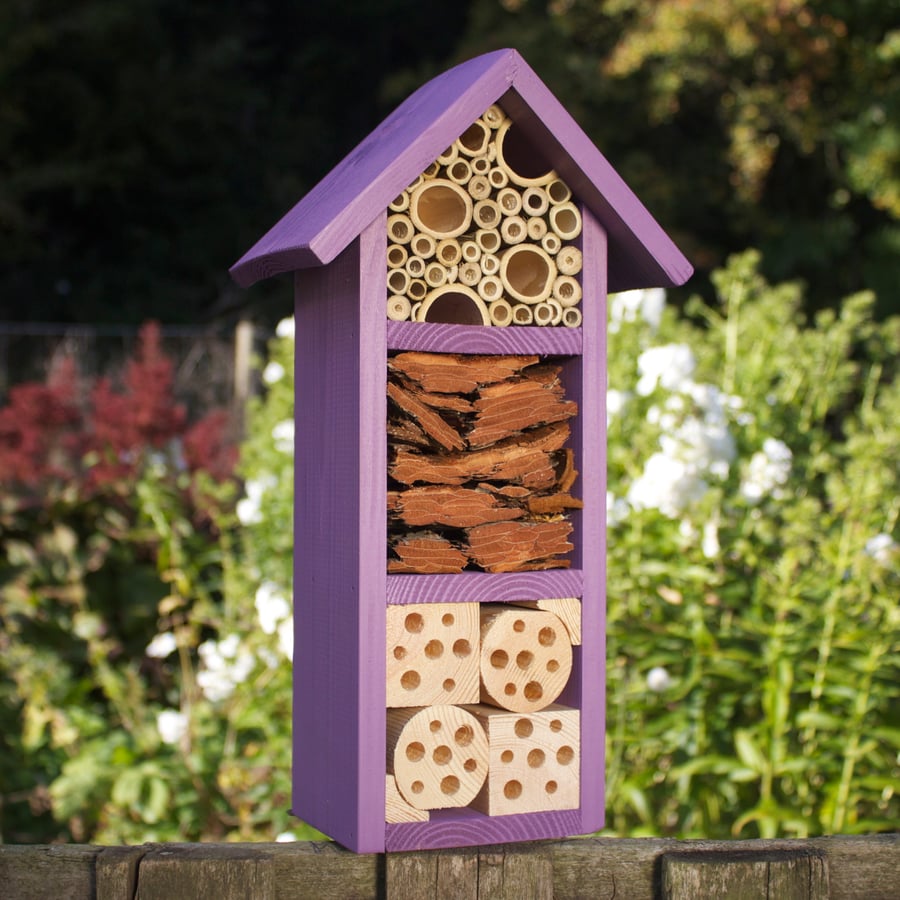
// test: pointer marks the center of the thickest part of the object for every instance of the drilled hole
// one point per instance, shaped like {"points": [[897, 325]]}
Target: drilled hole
{"points": [[470, 765], [547, 637], [447, 619], [399, 652], [417, 787], [507, 756], [512, 790], [510, 689], [449, 785], [461, 648], [524, 728], [415, 751], [533, 691], [410, 680], [464, 736], [442, 755], [552, 665], [414, 623], [555, 725], [536, 758], [435, 725], [524, 659], [434, 649], [518, 625], [449, 684], [499, 659], [565, 755], [551, 787]]}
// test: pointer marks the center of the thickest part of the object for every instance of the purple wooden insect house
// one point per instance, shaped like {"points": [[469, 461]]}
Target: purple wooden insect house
{"points": [[451, 277]]}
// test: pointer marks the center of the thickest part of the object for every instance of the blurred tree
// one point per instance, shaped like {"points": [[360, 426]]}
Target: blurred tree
{"points": [[145, 145], [768, 123]]}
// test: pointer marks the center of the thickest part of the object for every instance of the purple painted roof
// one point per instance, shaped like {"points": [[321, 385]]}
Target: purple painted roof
{"points": [[361, 186]]}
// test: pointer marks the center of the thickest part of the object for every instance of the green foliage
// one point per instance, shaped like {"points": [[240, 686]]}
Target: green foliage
{"points": [[753, 628]]}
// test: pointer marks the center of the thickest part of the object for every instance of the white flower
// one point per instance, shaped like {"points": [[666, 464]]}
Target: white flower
{"points": [[273, 372], [881, 548], [171, 726], [658, 679], [249, 508], [162, 645], [226, 664], [616, 401], [767, 470], [285, 837], [286, 638], [667, 484], [669, 366], [710, 544], [627, 305], [271, 606], [283, 435], [285, 328]]}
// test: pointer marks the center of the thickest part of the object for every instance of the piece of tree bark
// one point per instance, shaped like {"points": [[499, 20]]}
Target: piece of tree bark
{"points": [[553, 504], [426, 554], [449, 373], [507, 546], [427, 419], [454, 507]]}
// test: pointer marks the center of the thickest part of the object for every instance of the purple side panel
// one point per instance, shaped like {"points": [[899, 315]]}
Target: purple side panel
{"points": [[592, 668], [465, 828], [340, 408], [483, 587], [480, 339]]}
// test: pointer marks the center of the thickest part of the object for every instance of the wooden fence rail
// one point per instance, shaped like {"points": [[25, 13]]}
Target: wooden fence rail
{"points": [[829, 867]]}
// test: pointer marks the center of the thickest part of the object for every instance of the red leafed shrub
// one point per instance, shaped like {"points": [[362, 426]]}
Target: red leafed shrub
{"points": [[97, 436]]}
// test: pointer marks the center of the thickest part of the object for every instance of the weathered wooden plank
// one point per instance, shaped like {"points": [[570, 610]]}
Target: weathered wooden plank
{"points": [[517, 872], [432, 874], [797, 874], [39, 872], [218, 872], [117, 872]]}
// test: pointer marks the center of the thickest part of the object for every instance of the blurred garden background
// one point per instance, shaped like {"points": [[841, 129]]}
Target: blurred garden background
{"points": [[146, 438]]}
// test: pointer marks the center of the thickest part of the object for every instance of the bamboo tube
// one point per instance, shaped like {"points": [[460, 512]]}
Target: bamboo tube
{"points": [[490, 288], [452, 273], [488, 239], [471, 252], [501, 313], [565, 220], [519, 158], [414, 312], [571, 317], [396, 256], [399, 203], [536, 228], [493, 116], [522, 314], [459, 171], [490, 263], [417, 289], [423, 245], [400, 228], [454, 304], [470, 273], [551, 243], [526, 658], [509, 201], [440, 208], [569, 261], [557, 310], [398, 308], [558, 191], [498, 178], [449, 251], [448, 156], [527, 273], [535, 201], [432, 171], [474, 140], [513, 230], [436, 274], [543, 313], [487, 214], [398, 281], [566, 290], [481, 165], [479, 187], [438, 755], [415, 183], [415, 265]]}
